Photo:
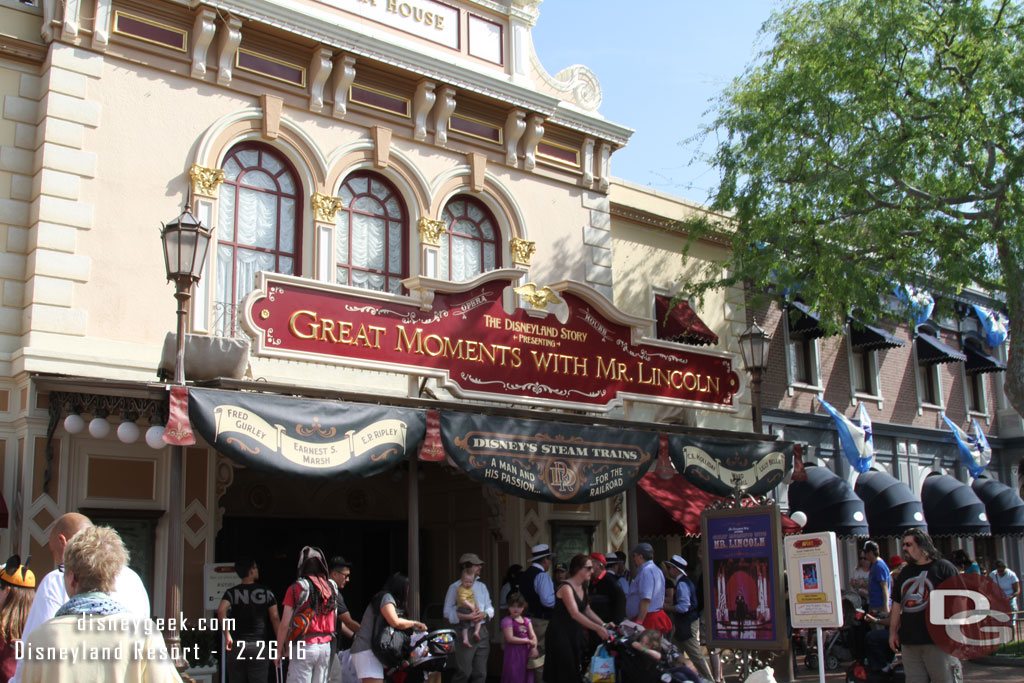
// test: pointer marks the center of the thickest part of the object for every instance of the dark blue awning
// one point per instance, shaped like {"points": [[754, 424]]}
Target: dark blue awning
{"points": [[870, 338], [1004, 506], [829, 503], [889, 504], [804, 323], [930, 350], [979, 362], [952, 508]]}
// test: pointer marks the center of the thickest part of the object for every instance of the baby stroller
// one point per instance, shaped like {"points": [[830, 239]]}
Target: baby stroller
{"points": [[634, 666], [429, 651], [840, 644]]}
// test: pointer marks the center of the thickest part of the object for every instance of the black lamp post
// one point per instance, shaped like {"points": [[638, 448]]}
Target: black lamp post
{"points": [[185, 242], [754, 347]]}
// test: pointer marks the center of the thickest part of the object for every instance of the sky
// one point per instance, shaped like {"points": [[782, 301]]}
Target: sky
{"points": [[660, 64]]}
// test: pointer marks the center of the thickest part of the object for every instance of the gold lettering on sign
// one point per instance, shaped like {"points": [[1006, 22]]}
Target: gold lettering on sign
{"points": [[434, 345], [205, 181], [409, 10], [305, 324]]}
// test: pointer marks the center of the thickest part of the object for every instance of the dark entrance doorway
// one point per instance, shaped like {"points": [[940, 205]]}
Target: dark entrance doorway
{"points": [[376, 550], [270, 518]]}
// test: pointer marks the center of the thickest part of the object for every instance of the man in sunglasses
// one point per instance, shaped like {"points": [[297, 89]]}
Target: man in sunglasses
{"points": [[51, 593]]}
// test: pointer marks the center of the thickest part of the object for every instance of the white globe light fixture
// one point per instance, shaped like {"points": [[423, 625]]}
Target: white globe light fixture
{"points": [[128, 432], [799, 517], [155, 437], [74, 424], [99, 427]]}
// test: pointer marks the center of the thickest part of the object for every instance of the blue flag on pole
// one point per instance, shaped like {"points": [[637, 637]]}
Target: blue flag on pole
{"points": [[920, 304], [975, 451], [995, 325], [856, 440]]}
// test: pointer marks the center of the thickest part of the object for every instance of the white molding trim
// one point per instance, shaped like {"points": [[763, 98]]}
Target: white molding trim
{"points": [[207, 156]]}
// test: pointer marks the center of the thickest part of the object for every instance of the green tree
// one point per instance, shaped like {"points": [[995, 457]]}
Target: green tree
{"points": [[877, 142]]}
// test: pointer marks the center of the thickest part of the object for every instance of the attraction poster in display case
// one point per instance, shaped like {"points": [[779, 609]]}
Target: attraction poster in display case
{"points": [[815, 596], [744, 598]]}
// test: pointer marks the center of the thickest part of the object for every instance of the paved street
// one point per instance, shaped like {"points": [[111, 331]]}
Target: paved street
{"points": [[973, 673]]}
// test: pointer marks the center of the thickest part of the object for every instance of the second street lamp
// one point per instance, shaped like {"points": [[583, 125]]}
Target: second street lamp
{"points": [[754, 343]]}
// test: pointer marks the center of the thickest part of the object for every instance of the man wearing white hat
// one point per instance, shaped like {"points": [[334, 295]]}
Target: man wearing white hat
{"points": [[686, 615], [536, 586]]}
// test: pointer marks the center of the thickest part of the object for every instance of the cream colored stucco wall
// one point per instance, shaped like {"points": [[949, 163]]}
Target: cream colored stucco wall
{"points": [[646, 256], [142, 135]]}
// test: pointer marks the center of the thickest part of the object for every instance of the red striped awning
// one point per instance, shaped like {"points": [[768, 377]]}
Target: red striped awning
{"points": [[680, 323], [670, 507]]}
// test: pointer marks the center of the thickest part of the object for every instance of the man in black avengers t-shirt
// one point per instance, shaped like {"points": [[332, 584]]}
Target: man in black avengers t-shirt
{"points": [[925, 570], [253, 609]]}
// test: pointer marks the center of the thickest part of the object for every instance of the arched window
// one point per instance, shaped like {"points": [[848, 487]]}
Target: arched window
{"points": [[258, 221], [372, 227], [470, 246]]}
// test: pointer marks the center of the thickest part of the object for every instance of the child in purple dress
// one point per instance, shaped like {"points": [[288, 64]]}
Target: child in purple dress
{"points": [[520, 642]]}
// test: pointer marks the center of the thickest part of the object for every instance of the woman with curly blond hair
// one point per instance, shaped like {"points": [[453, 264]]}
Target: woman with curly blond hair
{"points": [[94, 637]]}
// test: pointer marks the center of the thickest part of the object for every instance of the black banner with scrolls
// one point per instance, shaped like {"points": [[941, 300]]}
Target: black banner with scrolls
{"points": [[549, 461]]}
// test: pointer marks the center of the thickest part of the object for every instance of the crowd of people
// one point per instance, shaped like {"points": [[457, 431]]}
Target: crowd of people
{"points": [[549, 623], [894, 597], [87, 620], [556, 618]]}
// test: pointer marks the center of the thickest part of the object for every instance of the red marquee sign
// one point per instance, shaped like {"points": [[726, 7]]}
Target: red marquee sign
{"points": [[579, 352]]}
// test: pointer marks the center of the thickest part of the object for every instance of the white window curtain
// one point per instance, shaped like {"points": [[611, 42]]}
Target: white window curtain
{"points": [[256, 230], [469, 247], [370, 237]]}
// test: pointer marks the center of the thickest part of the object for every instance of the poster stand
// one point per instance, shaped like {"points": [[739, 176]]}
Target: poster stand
{"points": [[815, 596]]}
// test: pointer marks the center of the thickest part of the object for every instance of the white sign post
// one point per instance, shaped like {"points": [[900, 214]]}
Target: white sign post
{"points": [[815, 597], [219, 576]]}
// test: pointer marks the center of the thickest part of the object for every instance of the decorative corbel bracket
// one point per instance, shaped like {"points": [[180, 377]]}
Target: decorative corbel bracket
{"points": [[228, 41], [344, 76], [204, 28], [531, 138], [422, 102], [320, 68], [443, 109], [515, 126]]}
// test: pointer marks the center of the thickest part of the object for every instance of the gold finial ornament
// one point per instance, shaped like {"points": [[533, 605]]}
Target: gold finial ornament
{"points": [[205, 181], [325, 207], [538, 297], [522, 250], [431, 231]]}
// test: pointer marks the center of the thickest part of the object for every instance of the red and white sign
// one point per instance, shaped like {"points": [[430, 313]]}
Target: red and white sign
{"points": [[580, 352], [969, 616]]}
